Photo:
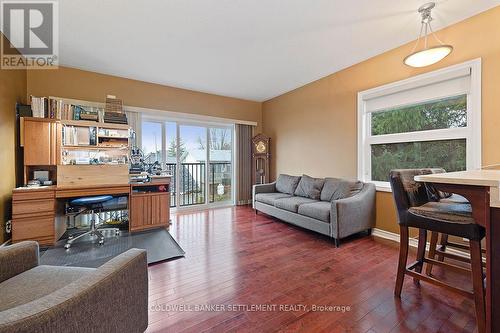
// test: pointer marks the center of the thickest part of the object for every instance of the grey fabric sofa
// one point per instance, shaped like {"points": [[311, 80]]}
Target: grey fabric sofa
{"points": [[37, 298], [334, 207]]}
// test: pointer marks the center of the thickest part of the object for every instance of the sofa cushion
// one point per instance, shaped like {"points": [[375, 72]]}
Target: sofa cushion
{"points": [[336, 188], [355, 187], [36, 283], [292, 204], [453, 212], [309, 187], [317, 210], [454, 198], [287, 184], [269, 198]]}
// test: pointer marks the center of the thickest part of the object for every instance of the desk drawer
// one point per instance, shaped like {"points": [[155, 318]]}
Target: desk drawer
{"points": [[32, 195], [33, 207], [33, 228]]}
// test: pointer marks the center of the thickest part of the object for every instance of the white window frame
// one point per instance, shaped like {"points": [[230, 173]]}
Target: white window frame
{"points": [[472, 132]]}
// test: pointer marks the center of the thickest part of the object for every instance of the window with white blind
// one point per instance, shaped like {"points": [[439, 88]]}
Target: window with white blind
{"points": [[430, 120]]}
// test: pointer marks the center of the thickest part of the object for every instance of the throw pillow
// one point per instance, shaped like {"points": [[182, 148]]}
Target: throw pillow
{"points": [[309, 187], [287, 184], [336, 188]]}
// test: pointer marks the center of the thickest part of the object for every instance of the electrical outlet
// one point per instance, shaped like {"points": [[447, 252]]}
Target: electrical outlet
{"points": [[8, 226]]}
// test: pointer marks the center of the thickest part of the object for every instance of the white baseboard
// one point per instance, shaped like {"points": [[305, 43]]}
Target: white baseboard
{"points": [[413, 241]]}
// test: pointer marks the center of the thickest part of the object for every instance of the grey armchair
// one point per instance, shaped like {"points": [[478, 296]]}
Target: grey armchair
{"points": [[38, 298]]}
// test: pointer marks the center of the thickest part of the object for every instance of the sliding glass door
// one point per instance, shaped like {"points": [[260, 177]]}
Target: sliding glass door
{"points": [[220, 166], [192, 160], [199, 157]]}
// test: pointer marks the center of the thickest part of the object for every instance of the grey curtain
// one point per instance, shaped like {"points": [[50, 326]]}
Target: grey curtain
{"points": [[244, 164], [135, 121]]}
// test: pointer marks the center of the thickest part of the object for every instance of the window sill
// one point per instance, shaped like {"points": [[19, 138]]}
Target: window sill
{"points": [[382, 188]]}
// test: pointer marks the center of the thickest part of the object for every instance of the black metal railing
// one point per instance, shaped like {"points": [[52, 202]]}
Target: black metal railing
{"points": [[192, 185], [220, 181]]}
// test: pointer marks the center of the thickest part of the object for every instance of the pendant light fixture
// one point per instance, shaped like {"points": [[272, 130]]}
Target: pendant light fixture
{"points": [[429, 54]]}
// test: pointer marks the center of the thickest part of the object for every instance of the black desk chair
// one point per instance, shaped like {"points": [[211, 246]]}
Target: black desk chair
{"points": [[415, 209], [91, 205]]}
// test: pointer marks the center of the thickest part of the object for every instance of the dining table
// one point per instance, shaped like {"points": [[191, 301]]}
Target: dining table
{"points": [[482, 189]]}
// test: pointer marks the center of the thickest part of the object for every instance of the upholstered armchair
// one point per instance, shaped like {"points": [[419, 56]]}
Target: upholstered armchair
{"points": [[38, 298]]}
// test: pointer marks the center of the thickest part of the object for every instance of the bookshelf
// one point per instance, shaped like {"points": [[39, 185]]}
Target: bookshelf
{"points": [[70, 110], [93, 143], [86, 149]]}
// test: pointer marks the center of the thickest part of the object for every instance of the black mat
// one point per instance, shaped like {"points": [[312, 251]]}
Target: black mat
{"points": [[85, 252]]}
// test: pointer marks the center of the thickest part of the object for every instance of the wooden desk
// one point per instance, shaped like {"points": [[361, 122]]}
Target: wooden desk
{"points": [[37, 213], [34, 215], [482, 189]]}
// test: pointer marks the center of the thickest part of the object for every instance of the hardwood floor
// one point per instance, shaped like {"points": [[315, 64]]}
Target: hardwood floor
{"points": [[236, 259]]}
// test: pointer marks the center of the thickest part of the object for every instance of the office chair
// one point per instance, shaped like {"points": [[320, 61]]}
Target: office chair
{"points": [[91, 205]]}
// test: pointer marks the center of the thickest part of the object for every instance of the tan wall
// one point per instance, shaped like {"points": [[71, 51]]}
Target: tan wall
{"points": [[314, 129], [90, 86], [78, 84], [12, 90]]}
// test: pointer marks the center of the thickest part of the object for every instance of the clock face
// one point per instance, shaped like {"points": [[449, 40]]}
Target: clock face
{"points": [[261, 147]]}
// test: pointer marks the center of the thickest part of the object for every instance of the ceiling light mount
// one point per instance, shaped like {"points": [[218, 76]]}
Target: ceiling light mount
{"points": [[428, 55], [425, 11]]}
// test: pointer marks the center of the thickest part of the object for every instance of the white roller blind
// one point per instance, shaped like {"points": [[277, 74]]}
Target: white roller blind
{"points": [[454, 83]]}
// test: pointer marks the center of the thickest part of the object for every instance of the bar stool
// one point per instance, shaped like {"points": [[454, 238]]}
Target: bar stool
{"points": [[443, 239], [415, 209], [91, 205]]}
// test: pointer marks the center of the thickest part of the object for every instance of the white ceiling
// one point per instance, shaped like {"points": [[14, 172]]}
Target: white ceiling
{"points": [[251, 49]]}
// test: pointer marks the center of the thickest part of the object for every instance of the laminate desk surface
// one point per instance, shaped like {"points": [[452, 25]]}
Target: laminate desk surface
{"points": [[70, 191]]}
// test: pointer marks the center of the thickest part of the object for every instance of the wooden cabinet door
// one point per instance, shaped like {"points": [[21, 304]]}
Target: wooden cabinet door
{"points": [[139, 215], [55, 143], [149, 211], [164, 209], [37, 142], [41, 142], [160, 209]]}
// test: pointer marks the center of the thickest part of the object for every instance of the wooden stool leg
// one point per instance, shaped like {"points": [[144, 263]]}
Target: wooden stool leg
{"points": [[432, 250], [443, 243], [403, 257], [422, 242], [477, 282]]}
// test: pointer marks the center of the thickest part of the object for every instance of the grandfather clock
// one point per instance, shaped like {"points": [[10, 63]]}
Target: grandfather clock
{"points": [[260, 159]]}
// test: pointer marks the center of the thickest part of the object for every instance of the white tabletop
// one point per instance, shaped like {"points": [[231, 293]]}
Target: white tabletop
{"points": [[489, 178]]}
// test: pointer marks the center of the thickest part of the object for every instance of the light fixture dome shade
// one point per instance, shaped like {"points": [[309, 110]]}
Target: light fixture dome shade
{"points": [[428, 56]]}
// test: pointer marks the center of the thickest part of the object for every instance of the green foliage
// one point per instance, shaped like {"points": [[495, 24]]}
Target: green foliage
{"points": [[447, 154], [444, 113], [172, 149]]}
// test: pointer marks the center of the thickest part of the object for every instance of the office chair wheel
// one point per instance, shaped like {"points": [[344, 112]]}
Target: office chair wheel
{"points": [[67, 246], [101, 241]]}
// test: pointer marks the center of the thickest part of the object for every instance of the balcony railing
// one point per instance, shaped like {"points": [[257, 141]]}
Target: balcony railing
{"points": [[192, 185]]}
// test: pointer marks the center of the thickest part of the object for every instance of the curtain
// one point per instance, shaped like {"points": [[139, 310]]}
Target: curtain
{"points": [[135, 121], [244, 164]]}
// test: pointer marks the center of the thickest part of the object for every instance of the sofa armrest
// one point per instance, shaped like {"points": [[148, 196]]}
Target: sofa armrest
{"points": [[17, 258], [113, 298], [262, 188], [356, 213]]}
